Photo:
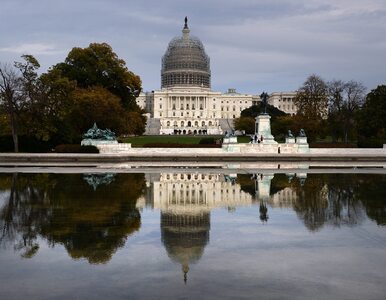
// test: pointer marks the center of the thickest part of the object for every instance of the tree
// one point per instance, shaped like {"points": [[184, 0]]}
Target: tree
{"points": [[10, 99], [246, 124], [97, 68], [96, 104], [17, 91], [312, 102], [98, 65], [248, 117], [282, 124], [255, 110], [345, 99], [312, 98], [372, 119], [135, 122], [50, 102]]}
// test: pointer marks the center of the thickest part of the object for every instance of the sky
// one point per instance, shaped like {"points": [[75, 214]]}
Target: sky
{"points": [[254, 45]]}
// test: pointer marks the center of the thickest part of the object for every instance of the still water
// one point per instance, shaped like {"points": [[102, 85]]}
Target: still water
{"points": [[192, 236]]}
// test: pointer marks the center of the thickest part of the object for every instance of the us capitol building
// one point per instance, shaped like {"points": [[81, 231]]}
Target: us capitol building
{"points": [[186, 104]]}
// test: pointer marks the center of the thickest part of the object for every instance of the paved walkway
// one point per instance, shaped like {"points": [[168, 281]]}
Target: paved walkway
{"points": [[200, 156]]}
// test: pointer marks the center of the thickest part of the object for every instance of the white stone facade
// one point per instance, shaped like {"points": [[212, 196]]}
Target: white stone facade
{"points": [[197, 110], [283, 101]]}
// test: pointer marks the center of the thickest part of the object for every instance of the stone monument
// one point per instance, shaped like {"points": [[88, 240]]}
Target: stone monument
{"points": [[290, 139], [95, 136], [301, 141], [104, 139], [263, 123]]}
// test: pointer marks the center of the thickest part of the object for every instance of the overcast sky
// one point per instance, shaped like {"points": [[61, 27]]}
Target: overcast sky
{"points": [[254, 45]]}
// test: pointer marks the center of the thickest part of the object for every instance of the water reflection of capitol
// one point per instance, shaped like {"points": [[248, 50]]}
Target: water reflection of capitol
{"points": [[185, 201]]}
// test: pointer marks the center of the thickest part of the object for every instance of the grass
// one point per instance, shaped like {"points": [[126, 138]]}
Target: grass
{"points": [[164, 139], [173, 140], [139, 141]]}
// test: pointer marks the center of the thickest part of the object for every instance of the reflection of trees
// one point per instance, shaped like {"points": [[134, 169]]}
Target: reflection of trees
{"points": [[331, 199], [247, 183], [328, 199], [64, 209], [371, 190], [345, 207], [311, 204], [24, 213]]}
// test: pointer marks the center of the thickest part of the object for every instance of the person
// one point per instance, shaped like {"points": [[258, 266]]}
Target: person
{"points": [[261, 138]]}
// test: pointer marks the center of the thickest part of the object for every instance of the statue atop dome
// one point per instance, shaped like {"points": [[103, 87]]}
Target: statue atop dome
{"points": [[186, 23]]}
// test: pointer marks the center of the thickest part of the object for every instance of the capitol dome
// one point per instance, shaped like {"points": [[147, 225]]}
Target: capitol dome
{"points": [[185, 62]]}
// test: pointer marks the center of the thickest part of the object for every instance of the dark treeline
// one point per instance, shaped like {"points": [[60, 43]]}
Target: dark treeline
{"points": [[338, 110], [38, 112]]}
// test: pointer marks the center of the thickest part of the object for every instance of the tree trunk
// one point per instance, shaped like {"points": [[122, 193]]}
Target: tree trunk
{"points": [[14, 132]]}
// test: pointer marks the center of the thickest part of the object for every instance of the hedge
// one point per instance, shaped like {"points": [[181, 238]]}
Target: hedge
{"points": [[75, 148]]}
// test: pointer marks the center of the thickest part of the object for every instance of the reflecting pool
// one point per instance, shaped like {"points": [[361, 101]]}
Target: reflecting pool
{"points": [[192, 235]]}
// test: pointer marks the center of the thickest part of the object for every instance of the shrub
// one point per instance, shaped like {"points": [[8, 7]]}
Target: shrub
{"points": [[75, 148], [26, 144], [332, 145], [370, 142], [176, 145], [207, 141]]}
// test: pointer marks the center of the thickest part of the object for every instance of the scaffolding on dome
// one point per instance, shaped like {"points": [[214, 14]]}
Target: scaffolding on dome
{"points": [[185, 63]]}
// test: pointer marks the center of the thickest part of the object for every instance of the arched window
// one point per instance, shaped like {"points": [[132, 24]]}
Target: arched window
{"points": [[189, 124], [210, 123], [203, 123], [168, 123]]}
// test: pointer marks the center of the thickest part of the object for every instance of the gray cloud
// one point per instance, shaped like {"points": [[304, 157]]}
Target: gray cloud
{"points": [[253, 45]]}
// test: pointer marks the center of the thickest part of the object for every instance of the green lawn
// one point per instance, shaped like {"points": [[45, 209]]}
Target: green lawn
{"points": [[138, 141]]}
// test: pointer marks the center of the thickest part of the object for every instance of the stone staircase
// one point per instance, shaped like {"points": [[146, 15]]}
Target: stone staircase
{"points": [[153, 126], [226, 125]]}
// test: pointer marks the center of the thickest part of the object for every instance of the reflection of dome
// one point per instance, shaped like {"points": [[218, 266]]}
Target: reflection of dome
{"points": [[185, 62], [185, 237]]}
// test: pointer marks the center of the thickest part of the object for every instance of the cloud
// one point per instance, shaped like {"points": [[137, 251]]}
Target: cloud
{"points": [[253, 44], [33, 48]]}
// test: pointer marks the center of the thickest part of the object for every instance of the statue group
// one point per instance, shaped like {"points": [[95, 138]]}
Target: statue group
{"points": [[94, 133]]}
